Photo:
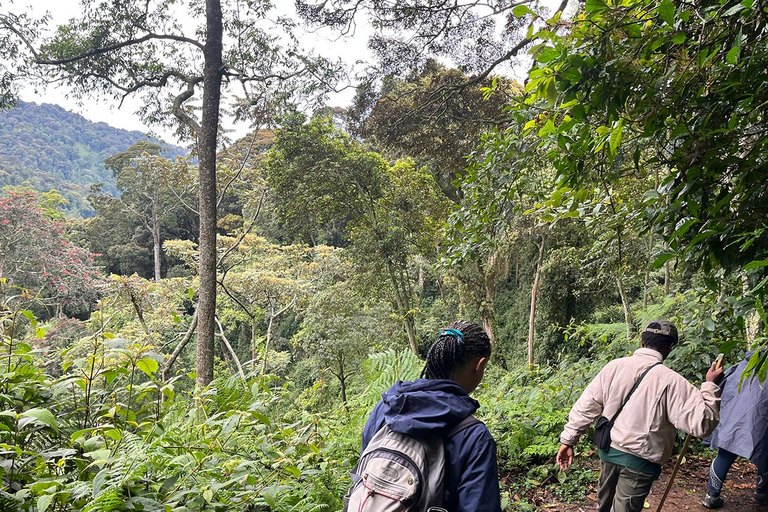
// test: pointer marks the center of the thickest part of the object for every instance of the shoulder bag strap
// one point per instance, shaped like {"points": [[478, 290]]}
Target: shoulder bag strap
{"points": [[463, 425], [631, 391]]}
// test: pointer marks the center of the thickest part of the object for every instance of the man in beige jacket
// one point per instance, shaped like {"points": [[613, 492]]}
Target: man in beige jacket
{"points": [[643, 434]]}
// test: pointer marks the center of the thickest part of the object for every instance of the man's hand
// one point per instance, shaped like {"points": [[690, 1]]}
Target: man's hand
{"points": [[714, 374], [565, 456]]}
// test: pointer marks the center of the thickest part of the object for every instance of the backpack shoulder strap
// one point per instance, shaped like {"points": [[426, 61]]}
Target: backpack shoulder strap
{"points": [[631, 391], [463, 425]]}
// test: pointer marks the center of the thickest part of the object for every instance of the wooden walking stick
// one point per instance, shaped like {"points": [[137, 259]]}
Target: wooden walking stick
{"points": [[674, 471], [682, 452]]}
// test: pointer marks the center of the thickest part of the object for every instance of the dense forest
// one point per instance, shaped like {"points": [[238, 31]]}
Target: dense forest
{"points": [[215, 334], [48, 147]]}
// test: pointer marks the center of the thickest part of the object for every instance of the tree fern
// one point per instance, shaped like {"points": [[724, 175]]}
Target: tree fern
{"points": [[387, 368], [111, 499]]}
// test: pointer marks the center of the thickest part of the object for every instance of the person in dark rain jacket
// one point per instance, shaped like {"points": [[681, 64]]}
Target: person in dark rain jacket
{"points": [[438, 402], [743, 431]]}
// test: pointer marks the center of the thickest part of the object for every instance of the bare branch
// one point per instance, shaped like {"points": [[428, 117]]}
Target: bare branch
{"points": [[117, 46], [180, 346], [229, 347]]}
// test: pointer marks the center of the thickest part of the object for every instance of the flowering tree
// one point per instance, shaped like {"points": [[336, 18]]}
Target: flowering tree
{"points": [[36, 255]]}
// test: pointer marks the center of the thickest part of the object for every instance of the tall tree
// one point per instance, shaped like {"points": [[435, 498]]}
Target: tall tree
{"points": [[318, 174], [429, 116], [152, 188], [122, 48]]}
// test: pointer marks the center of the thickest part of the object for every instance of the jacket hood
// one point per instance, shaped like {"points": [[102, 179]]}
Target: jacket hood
{"points": [[422, 407]]}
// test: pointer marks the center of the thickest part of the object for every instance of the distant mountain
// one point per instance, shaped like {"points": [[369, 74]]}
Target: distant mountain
{"points": [[48, 147]]}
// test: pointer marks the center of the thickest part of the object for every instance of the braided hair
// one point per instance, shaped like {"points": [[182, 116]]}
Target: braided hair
{"points": [[460, 342]]}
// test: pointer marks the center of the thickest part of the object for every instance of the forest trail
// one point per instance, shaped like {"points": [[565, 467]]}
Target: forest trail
{"points": [[687, 491]]}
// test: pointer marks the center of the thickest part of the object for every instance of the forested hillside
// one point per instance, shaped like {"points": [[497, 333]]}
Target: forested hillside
{"points": [[50, 148], [214, 336]]}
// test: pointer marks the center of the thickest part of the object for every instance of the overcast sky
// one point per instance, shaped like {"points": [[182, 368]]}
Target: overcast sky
{"points": [[106, 109]]}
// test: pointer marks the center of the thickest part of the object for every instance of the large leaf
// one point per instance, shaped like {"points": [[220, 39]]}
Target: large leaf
{"points": [[147, 365], [44, 501], [667, 12], [43, 416]]}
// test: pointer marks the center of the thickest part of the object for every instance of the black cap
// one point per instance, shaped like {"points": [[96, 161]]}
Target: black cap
{"points": [[663, 327]]}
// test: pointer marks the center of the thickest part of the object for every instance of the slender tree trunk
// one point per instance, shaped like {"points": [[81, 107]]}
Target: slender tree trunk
{"points": [[266, 341], [488, 309], [404, 307], [232, 352], [156, 243], [647, 276], [342, 381], [180, 346], [254, 355], [667, 278], [625, 305], [534, 294], [272, 315], [410, 331], [206, 146]]}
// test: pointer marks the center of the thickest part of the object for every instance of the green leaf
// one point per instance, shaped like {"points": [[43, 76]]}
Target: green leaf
{"points": [[595, 6], [31, 317], [261, 417], [522, 10], [756, 264], [147, 365], [548, 129], [208, 495], [667, 12], [269, 496], [547, 54], [733, 10], [661, 259], [678, 38], [43, 416], [615, 141], [44, 501], [680, 129], [293, 470], [683, 226], [552, 91], [735, 53], [761, 311]]}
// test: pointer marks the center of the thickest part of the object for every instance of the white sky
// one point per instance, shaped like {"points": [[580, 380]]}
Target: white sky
{"points": [[106, 109]]}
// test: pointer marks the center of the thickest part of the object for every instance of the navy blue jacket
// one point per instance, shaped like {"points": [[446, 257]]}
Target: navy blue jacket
{"points": [[426, 407]]}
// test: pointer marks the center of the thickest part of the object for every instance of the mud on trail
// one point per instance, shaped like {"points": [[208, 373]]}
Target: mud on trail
{"points": [[689, 487]]}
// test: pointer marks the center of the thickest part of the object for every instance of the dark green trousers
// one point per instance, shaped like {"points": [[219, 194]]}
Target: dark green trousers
{"points": [[622, 489]]}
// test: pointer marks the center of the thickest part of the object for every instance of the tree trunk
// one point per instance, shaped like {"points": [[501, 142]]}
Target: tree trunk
{"points": [[342, 381], [266, 341], [410, 330], [402, 300], [534, 294], [488, 309], [647, 275], [625, 304], [181, 345], [667, 278], [254, 355], [156, 242], [206, 147]]}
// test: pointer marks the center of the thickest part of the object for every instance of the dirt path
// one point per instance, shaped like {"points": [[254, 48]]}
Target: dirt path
{"points": [[686, 493]]}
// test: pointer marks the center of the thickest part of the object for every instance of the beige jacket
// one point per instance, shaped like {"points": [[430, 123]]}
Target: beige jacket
{"points": [[663, 403]]}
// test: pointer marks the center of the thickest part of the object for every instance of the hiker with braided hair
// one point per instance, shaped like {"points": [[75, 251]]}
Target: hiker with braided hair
{"points": [[438, 405]]}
